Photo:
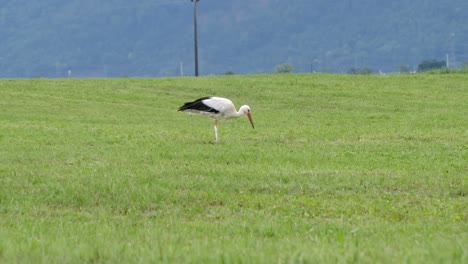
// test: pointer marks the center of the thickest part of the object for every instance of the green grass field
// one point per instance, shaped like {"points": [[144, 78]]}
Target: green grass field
{"points": [[339, 169]]}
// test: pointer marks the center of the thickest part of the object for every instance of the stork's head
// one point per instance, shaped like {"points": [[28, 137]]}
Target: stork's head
{"points": [[246, 110]]}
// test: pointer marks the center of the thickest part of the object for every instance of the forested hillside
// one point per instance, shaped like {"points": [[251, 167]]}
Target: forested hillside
{"points": [[97, 38]]}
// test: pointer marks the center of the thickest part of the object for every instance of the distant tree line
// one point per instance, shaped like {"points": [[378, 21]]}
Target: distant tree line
{"points": [[429, 65], [364, 71]]}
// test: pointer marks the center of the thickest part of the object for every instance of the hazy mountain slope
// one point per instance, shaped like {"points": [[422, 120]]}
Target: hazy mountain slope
{"points": [[155, 38]]}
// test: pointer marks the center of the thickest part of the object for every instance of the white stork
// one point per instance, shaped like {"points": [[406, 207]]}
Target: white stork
{"points": [[216, 107]]}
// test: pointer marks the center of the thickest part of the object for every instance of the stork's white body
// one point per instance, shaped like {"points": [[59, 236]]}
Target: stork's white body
{"points": [[216, 108]]}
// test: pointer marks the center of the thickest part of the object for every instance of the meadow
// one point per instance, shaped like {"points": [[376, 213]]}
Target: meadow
{"points": [[339, 169]]}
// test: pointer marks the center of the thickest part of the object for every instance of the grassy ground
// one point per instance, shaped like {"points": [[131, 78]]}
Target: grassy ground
{"points": [[339, 169]]}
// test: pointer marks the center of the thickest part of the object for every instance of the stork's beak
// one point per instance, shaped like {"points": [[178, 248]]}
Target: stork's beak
{"points": [[249, 115]]}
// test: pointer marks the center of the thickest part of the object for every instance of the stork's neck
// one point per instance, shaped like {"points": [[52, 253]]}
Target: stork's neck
{"points": [[242, 110], [239, 113]]}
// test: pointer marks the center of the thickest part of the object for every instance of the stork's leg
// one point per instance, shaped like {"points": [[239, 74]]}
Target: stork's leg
{"points": [[216, 130]]}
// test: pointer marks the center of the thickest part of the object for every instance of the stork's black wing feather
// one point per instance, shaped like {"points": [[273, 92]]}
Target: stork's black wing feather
{"points": [[198, 105]]}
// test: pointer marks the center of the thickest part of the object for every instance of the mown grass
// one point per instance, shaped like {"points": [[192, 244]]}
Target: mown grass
{"points": [[339, 169]]}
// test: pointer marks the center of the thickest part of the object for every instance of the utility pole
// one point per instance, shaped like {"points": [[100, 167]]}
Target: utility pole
{"points": [[447, 63], [195, 35], [452, 49]]}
